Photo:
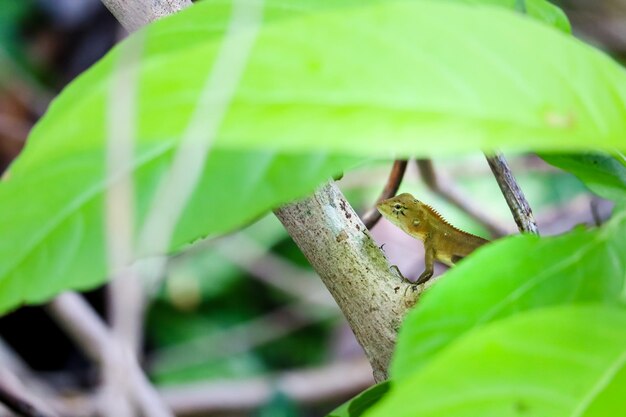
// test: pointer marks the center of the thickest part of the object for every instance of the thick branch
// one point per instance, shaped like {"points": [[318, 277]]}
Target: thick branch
{"points": [[137, 13], [513, 194], [353, 268]]}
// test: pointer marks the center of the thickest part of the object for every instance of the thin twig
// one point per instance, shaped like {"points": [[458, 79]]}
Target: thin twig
{"points": [[89, 332], [10, 361], [18, 377], [13, 128], [241, 337], [335, 382], [28, 90], [19, 405], [560, 218], [125, 295], [513, 194], [372, 216], [274, 270], [595, 212], [444, 188]]}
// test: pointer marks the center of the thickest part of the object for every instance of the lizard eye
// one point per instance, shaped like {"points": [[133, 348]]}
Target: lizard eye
{"points": [[416, 222], [397, 206]]}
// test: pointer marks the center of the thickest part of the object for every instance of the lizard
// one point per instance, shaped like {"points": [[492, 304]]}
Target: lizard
{"points": [[442, 241]]}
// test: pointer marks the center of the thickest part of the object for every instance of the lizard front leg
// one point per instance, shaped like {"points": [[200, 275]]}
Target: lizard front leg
{"points": [[429, 261]]}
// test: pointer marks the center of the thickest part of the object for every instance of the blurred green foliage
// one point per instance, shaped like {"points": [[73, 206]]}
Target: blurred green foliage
{"points": [[12, 15]]}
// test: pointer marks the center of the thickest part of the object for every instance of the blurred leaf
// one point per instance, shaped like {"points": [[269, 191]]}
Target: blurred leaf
{"points": [[494, 88], [603, 174], [244, 322], [169, 326], [185, 345], [362, 402], [241, 365], [511, 276], [558, 362], [12, 13], [212, 273], [280, 405], [300, 348]]}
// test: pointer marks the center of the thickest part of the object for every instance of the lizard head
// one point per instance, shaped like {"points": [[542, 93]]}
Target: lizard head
{"points": [[404, 211]]}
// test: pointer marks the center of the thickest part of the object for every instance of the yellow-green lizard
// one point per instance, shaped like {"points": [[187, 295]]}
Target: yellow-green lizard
{"points": [[442, 241]]}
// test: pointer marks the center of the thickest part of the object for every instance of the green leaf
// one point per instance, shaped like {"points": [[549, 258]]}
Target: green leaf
{"points": [[279, 405], [603, 174], [509, 277], [543, 11], [362, 402], [495, 88], [52, 219], [548, 13], [561, 362], [486, 78]]}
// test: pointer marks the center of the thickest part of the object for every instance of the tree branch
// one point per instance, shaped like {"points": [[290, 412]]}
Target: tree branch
{"points": [[513, 194], [137, 13], [16, 403], [353, 268], [336, 381], [241, 337], [90, 333]]}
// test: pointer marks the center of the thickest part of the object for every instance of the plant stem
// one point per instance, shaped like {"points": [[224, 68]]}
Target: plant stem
{"points": [[513, 194], [19, 405], [83, 325]]}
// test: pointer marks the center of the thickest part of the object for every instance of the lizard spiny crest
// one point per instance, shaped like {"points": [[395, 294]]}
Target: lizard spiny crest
{"points": [[443, 220]]}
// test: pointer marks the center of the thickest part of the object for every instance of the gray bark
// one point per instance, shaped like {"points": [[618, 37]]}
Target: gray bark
{"points": [[135, 14], [353, 268]]}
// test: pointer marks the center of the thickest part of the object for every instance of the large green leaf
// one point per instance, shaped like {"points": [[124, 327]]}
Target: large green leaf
{"points": [[603, 174], [436, 77], [478, 81], [543, 11], [52, 219], [561, 362], [511, 276]]}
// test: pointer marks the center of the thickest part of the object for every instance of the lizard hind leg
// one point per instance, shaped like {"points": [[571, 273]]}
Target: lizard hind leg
{"points": [[429, 261], [426, 275]]}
